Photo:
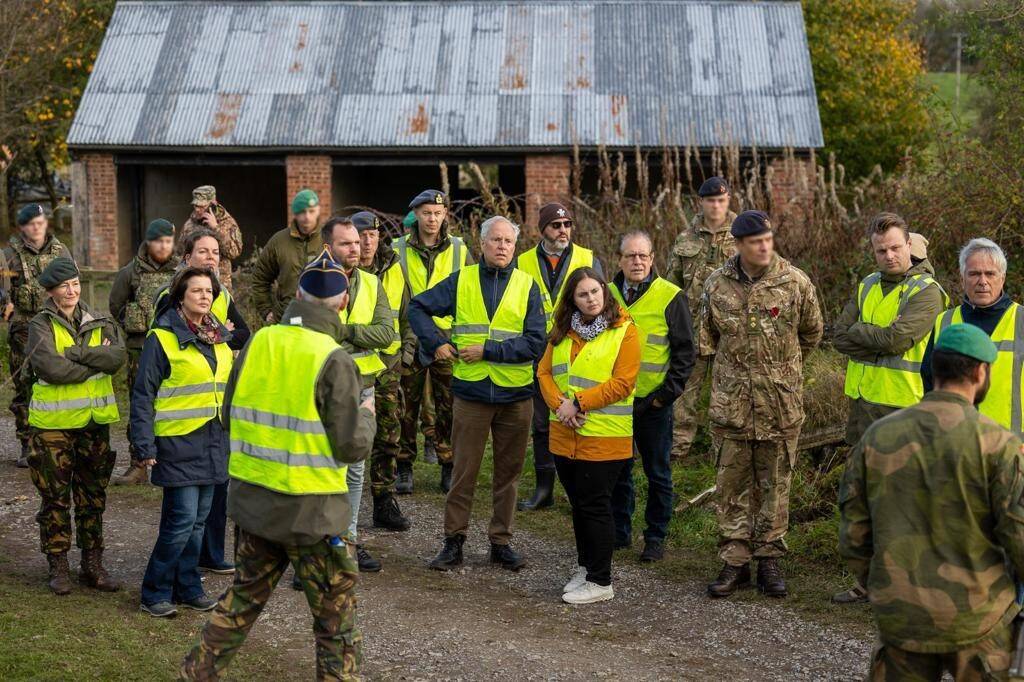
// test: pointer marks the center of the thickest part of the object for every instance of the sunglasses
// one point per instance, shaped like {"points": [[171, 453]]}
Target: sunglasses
{"points": [[560, 223]]}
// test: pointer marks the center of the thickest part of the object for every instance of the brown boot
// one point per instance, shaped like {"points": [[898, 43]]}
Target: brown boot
{"points": [[769, 578], [135, 474], [60, 580], [93, 574], [730, 578]]}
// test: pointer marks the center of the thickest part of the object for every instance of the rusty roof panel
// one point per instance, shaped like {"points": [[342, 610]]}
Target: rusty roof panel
{"points": [[450, 74]]}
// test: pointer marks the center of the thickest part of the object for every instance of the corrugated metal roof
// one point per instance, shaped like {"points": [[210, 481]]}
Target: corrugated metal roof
{"points": [[385, 75]]}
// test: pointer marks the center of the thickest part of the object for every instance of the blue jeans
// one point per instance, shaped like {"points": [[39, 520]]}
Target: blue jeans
{"points": [[211, 554], [652, 440], [173, 570]]}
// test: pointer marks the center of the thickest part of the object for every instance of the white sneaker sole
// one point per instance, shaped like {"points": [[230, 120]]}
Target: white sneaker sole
{"points": [[605, 596]]}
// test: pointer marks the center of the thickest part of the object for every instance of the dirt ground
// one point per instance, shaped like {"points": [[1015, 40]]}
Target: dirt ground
{"points": [[483, 623]]}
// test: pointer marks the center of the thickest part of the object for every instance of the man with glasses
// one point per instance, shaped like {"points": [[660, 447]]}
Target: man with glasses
{"points": [[550, 264]]}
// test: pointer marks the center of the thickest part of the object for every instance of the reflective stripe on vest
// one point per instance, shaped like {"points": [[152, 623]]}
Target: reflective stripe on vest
{"points": [[894, 381], [648, 313], [277, 439], [1003, 402], [193, 393], [592, 367], [394, 285], [414, 270], [73, 406], [529, 263], [368, 361], [472, 327]]}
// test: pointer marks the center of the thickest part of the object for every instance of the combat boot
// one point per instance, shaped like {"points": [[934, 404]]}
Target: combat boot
{"points": [[429, 451], [135, 474], [446, 477], [387, 514], [543, 495], [403, 483], [769, 578], [59, 576], [26, 450], [92, 573], [730, 578], [450, 555]]}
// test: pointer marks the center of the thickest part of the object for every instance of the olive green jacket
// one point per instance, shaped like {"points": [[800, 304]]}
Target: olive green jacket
{"points": [[138, 283], [280, 263], [81, 361]]}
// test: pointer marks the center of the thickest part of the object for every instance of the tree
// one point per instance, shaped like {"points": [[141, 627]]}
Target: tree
{"points": [[996, 40], [868, 75]]}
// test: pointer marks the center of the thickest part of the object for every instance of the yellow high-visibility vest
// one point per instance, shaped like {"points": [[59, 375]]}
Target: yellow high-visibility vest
{"points": [[219, 307], [593, 366], [648, 313], [394, 286], [472, 327], [193, 393], [72, 406], [529, 263], [277, 439], [415, 270], [1003, 402], [367, 360]]}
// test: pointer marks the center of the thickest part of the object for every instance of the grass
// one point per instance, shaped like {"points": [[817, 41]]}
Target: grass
{"points": [[944, 102]]}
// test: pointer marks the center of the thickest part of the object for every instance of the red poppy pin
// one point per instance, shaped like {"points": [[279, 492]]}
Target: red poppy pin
{"points": [[774, 312]]}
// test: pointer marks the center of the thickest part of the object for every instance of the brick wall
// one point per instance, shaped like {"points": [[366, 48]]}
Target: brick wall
{"points": [[309, 171], [547, 179], [95, 211], [792, 190]]}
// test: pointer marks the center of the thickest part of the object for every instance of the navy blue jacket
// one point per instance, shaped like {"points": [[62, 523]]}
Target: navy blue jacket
{"points": [[985, 318], [197, 458], [439, 301]]}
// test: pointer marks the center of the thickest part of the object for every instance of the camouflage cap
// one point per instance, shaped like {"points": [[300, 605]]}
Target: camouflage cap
{"points": [[206, 194], [966, 339]]}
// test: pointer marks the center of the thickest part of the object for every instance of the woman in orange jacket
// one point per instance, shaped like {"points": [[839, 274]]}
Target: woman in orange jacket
{"points": [[587, 377]]}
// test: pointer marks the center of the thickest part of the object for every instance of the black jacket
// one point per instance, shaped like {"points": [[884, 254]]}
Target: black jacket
{"points": [[554, 277], [985, 318], [680, 341], [197, 458], [440, 301]]}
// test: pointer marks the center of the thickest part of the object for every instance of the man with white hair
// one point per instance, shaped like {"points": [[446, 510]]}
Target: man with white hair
{"points": [[497, 333], [986, 305]]}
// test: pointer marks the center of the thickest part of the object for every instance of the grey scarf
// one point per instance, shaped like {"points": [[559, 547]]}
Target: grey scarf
{"points": [[588, 331]]}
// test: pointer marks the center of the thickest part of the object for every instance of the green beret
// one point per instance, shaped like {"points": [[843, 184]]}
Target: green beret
{"points": [[409, 220], [966, 339], [59, 270], [159, 228], [307, 198], [30, 212]]}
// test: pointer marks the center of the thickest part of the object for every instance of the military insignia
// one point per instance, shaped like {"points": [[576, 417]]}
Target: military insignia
{"points": [[561, 212], [376, 222], [774, 312], [722, 189], [753, 324], [438, 199]]}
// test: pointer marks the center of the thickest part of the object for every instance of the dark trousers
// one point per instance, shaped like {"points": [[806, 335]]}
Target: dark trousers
{"points": [[211, 554], [652, 440], [542, 458], [173, 569], [589, 487]]}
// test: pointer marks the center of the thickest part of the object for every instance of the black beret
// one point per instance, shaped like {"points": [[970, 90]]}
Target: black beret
{"points": [[429, 196], [750, 223], [713, 187], [364, 220], [29, 212], [159, 228], [57, 272]]}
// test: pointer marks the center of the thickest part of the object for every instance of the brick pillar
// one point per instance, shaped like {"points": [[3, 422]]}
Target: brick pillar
{"points": [[308, 171], [792, 183], [547, 179], [94, 217]]}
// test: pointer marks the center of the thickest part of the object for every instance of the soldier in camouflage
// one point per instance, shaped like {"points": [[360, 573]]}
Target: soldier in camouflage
{"points": [[208, 213], [131, 303], [758, 320], [697, 252], [27, 256], [932, 522]]}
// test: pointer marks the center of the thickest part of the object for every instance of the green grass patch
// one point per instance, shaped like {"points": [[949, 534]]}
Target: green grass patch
{"points": [[944, 103]]}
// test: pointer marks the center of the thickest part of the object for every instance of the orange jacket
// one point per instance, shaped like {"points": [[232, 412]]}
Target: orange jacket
{"points": [[565, 441]]}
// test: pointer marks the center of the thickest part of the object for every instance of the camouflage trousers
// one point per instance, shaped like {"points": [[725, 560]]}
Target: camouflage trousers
{"points": [[132, 368], [982, 661], [427, 414], [65, 466], [687, 410], [753, 498], [414, 380], [21, 378], [328, 576], [384, 456]]}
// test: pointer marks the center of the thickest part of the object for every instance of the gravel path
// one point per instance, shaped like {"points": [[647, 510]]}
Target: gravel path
{"points": [[483, 623]]}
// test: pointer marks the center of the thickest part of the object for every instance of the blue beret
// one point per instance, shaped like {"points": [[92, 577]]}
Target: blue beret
{"points": [[713, 187], [750, 223], [364, 220], [429, 196], [29, 212], [323, 277]]}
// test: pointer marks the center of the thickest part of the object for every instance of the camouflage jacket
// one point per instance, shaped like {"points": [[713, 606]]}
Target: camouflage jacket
{"points": [[228, 234], [24, 264], [931, 512], [758, 333], [134, 291], [698, 251]]}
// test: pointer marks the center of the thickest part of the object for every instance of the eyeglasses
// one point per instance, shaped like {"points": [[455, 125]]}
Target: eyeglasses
{"points": [[643, 257]]}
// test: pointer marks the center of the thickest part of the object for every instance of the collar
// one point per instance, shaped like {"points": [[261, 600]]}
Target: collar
{"points": [[565, 251], [295, 232], [495, 271], [999, 306], [940, 396], [315, 317]]}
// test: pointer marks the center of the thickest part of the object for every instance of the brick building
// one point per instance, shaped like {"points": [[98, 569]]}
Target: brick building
{"points": [[362, 100]]}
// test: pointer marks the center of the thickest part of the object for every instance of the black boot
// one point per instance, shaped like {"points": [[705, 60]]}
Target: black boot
{"points": [[729, 579], [450, 555], [506, 557], [429, 451], [769, 578], [403, 484], [367, 564], [387, 514], [26, 450], [543, 495], [446, 477]]}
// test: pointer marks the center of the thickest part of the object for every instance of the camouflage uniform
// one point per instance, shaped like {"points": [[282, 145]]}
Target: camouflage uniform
{"points": [[697, 253], [23, 265], [932, 510], [228, 234], [758, 333], [384, 456], [414, 379]]}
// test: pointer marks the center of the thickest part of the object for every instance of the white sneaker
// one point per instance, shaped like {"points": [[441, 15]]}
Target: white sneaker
{"points": [[577, 580], [588, 593]]}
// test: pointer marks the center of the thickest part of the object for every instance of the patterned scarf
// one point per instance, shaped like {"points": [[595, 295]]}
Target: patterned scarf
{"points": [[207, 331], [588, 331]]}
